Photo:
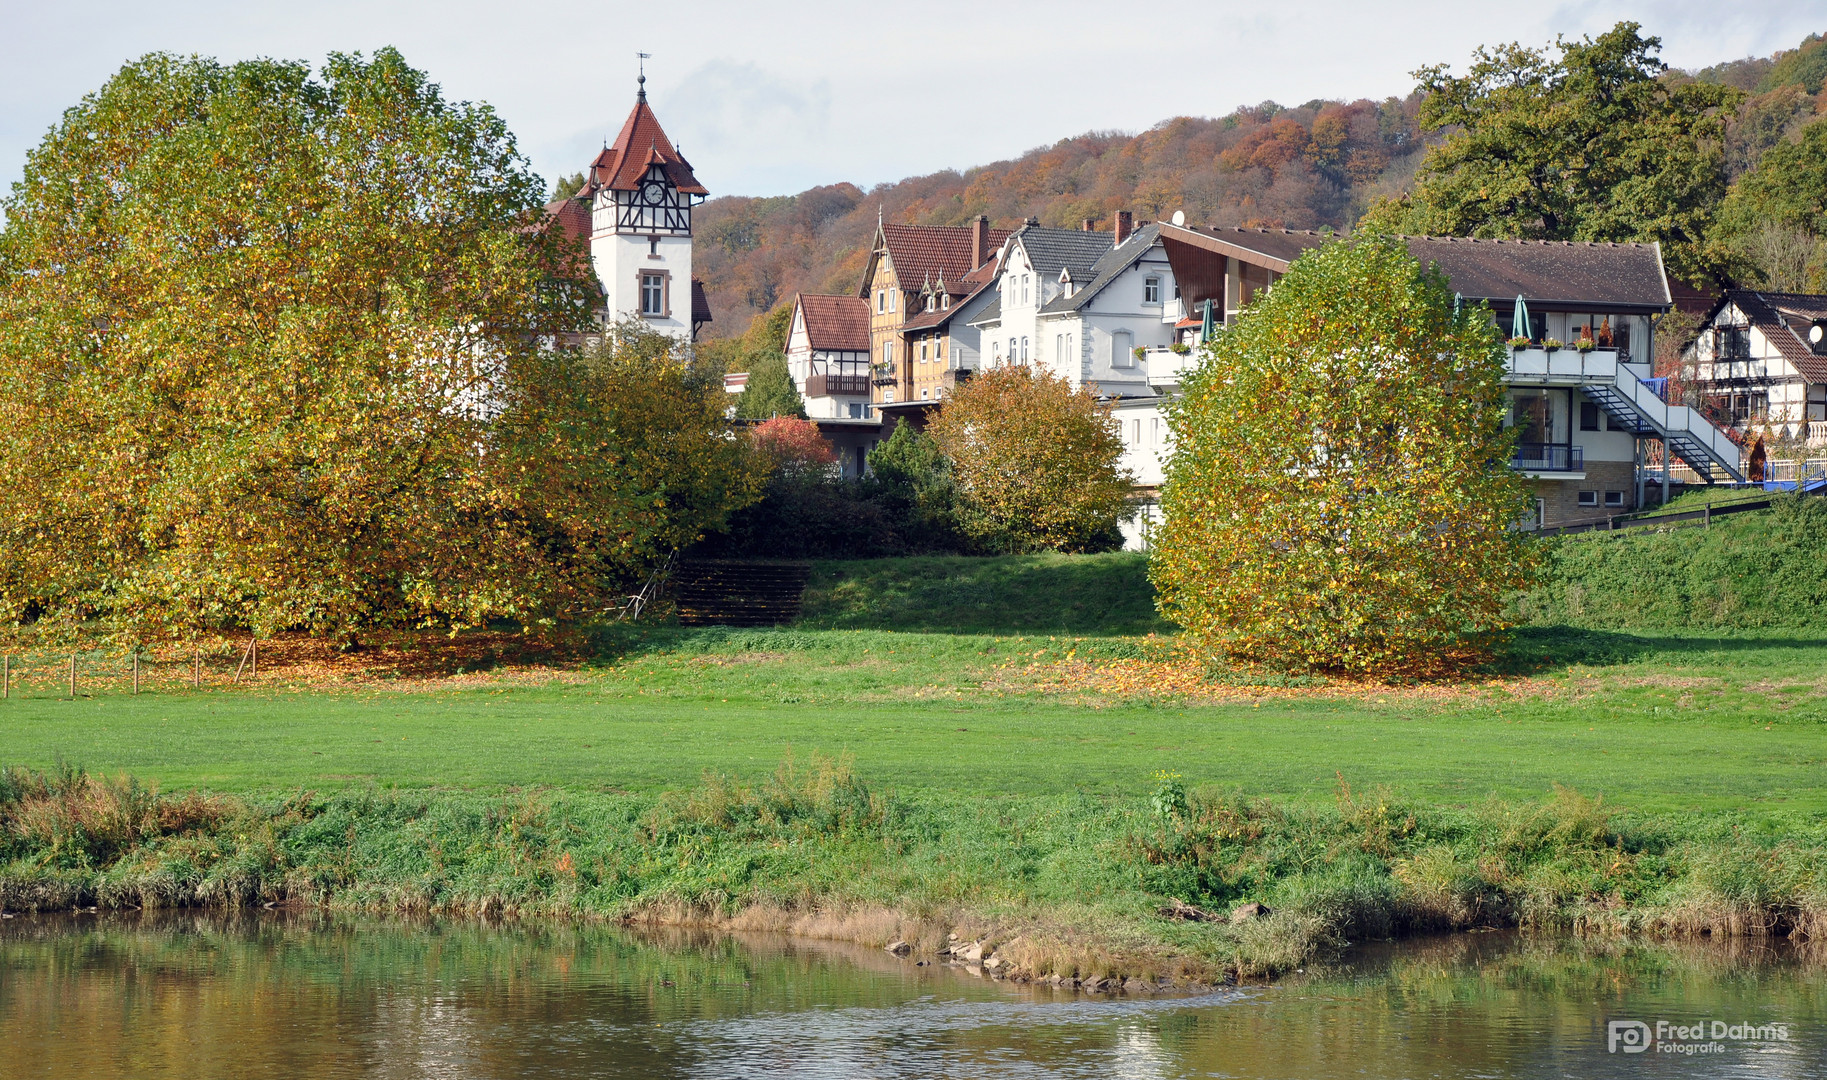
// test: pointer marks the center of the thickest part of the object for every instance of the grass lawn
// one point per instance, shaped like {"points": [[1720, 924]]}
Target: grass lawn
{"points": [[998, 727], [1666, 721]]}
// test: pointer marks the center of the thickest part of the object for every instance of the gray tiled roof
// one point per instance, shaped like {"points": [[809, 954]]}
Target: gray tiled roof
{"points": [[992, 311], [1051, 250], [1105, 270]]}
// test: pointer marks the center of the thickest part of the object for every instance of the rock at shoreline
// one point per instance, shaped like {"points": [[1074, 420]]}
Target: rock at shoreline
{"points": [[1243, 913], [1179, 909], [970, 954], [899, 948], [1098, 985]]}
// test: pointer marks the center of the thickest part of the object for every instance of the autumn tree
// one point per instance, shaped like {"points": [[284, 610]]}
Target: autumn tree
{"points": [[1587, 144], [1339, 497], [275, 355], [1773, 226], [1036, 463]]}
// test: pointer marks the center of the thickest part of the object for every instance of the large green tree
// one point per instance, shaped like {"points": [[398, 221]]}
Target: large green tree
{"points": [[1589, 143], [271, 342], [1339, 497]]}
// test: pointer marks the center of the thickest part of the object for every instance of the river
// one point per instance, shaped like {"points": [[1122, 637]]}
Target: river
{"points": [[288, 995]]}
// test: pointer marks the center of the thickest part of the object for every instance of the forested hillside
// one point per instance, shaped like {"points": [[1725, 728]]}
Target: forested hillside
{"points": [[1319, 164]]}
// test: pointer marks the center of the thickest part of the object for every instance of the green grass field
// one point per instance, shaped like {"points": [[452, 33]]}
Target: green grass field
{"points": [[986, 780], [1665, 721]]}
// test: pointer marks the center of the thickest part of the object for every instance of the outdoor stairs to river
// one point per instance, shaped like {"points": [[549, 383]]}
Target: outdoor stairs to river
{"points": [[724, 592]]}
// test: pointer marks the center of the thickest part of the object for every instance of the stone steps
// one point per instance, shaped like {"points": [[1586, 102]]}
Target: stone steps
{"points": [[729, 592]]}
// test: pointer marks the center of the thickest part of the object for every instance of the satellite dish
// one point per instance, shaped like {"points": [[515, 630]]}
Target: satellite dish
{"points": [[1816, 333], [1179, 217]]}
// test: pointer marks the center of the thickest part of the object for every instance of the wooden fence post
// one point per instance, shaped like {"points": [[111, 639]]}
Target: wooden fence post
{"points": [[196, 666], [136, 668], [8, 679], [254, 650], [1706, 516], [245, 654], [72, 675]]}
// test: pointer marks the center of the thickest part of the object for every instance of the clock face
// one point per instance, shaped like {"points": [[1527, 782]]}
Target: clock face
{"points": [[653, 193]]}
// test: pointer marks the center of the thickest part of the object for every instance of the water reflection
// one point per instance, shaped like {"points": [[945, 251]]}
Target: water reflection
{"points": [[289, 995]]}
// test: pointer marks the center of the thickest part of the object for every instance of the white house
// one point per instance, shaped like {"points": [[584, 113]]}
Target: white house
{"points": [[1761, 362], [1080, 303]]}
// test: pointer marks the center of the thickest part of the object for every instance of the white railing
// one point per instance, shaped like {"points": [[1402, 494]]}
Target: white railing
{"points": [[1601, 366], [1166, 366], [1817, 433]]}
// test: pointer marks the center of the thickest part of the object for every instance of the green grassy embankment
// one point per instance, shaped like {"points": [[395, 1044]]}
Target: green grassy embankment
{"points": [[987, 793], [1757, 570]]}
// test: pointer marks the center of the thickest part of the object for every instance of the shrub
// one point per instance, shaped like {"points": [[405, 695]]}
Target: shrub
{"points": [[1339, 497], [1036, 463]]}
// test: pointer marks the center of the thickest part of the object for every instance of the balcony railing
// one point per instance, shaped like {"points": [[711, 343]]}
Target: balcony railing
{"points": [[1548, 457], [846, 385]]}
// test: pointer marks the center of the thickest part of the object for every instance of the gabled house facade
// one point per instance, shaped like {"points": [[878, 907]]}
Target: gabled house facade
{"points": [[1588, 414], [828, 355], [1760, 363], [916, 278]]}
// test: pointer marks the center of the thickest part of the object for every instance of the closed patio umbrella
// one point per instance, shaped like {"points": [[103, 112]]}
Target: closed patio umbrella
{"points": [[1519, 319], [1207, 323]]}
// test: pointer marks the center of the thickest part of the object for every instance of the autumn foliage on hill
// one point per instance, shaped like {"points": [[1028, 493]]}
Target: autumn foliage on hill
{"points": [[1320, 164]]}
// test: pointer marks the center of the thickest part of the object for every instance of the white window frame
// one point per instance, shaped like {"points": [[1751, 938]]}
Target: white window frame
{"points": [[1151, 289]]}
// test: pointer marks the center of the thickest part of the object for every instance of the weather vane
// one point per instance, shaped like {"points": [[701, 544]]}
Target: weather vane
{"points": [[641, 58]]}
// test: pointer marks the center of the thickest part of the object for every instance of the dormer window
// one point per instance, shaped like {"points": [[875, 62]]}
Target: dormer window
{"points": [[945, 302]]}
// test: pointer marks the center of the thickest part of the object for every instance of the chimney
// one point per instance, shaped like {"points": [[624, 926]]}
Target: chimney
{"points": [[1088, 225], [1125, 224], [980, 241]]}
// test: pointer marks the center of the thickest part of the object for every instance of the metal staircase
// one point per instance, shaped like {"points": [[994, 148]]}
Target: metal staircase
{"points": [[1634, 406]]}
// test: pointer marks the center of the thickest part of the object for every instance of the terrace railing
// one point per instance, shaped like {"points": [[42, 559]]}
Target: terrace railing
{"points": [[1548, 457]]}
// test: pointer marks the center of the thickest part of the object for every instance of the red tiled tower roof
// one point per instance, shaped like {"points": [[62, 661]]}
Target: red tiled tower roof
{"points": [[624, 163]]}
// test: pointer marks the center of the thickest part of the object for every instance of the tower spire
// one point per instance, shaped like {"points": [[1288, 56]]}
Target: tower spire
{"points": [[641, 82]]}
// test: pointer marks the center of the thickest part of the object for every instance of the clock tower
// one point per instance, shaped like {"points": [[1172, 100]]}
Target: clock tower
{"points": [[641, 192]]}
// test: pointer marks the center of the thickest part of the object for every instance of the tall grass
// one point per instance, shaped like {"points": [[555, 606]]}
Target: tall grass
{"points": [[1063, 884]]}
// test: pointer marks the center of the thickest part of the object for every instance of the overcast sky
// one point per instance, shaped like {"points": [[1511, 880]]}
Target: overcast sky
{"points": [[773, 98]]}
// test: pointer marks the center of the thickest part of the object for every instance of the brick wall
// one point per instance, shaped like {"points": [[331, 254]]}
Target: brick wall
{"points": [[1561, 497]]}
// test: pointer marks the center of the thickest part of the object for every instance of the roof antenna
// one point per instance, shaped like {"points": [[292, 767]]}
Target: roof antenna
{"points": [[641, 59]]}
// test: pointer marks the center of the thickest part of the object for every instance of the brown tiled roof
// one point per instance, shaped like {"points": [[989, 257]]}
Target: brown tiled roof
{"points": [[571, 215], [1784, 318], [1558, 274], [835, 323], [700, 303], [623, 164], [929, 252]]}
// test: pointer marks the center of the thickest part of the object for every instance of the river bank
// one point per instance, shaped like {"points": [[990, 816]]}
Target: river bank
{"points": [[1190, 887]]}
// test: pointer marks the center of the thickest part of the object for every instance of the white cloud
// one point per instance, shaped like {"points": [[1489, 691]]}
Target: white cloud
{"points": [[773, 98]]}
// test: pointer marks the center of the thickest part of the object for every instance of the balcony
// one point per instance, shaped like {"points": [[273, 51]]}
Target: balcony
{"points": [[845, 385], [1534, 457], [1165, 366], [1817, 433], [884, 375]]}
